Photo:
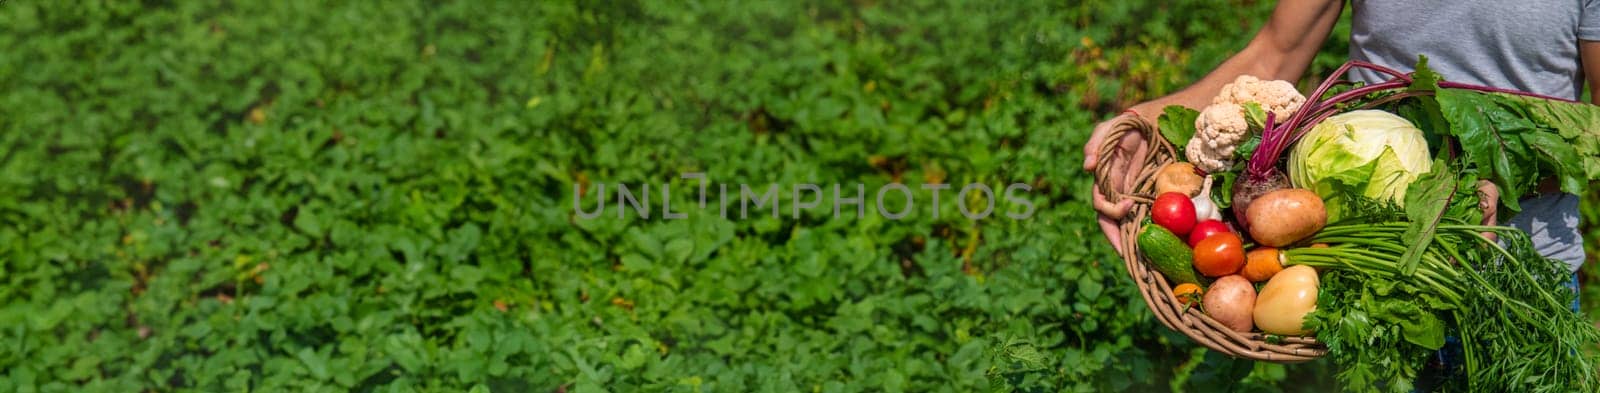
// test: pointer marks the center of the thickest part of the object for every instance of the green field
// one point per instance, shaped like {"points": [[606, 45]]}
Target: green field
{"points": [[378, 196]]}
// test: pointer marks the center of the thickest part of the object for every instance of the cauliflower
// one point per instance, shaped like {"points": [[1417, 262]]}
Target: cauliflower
{"points": [[1218, 131], [1276, 96], [1206, 158], [1222, 126]]}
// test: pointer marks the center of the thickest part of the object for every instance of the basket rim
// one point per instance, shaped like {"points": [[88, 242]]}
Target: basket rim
{"points": [[1153, 287]]}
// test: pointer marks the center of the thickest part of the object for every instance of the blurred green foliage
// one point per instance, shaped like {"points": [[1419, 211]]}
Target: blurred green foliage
{"points": [[377, 196]]}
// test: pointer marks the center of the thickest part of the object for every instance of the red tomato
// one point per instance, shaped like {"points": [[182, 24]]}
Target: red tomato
{"points": [[1173, 211], [1219, 255], [1205, 229]]}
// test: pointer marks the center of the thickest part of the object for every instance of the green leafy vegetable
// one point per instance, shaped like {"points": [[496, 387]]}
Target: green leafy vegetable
{"points": [[1255, 117], [1427, 200], [1375, 330], [1491, 140], [1222, 188], [1575, 123], [1246, 148], [1373, 151], [1177, 125], [1503, 300], [1399, 278]]}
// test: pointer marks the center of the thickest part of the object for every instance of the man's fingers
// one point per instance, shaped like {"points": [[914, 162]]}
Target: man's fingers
{"points": [[1110, 214], [1489, 202], [1091, 150], [1488, 196], [1109, 227], [1491, 218], [1114, 210], [1138, 150]]}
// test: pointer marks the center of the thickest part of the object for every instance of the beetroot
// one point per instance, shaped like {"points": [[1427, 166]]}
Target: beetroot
{"points": [[1246, 191]]}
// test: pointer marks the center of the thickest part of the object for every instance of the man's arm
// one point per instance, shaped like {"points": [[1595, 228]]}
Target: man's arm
{"points": [[1589, 54], [1282, 49]]}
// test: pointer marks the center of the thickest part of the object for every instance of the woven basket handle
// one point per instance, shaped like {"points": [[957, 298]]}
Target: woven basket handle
{"points": [[1137, 162], [1114, 153]]}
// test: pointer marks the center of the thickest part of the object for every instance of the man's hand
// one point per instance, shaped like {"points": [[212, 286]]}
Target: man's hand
{"points": [[1489, 202], [1126, 157]]}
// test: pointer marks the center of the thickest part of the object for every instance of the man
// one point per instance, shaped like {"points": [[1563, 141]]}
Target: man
{"points": [[1538, 46]]}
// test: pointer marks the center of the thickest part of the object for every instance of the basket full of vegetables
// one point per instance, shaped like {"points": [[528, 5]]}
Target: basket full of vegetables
{"points": [[1348, 224]]}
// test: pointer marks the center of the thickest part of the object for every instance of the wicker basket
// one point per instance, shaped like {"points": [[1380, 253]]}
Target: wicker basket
{"points": [[1157, 292]]}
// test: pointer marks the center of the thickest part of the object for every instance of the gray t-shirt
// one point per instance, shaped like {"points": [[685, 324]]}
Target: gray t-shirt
{"points": [[1528, 45]]}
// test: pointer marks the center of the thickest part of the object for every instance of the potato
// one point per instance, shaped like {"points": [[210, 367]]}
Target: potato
{"points": [[1179, 177], [1285, 216], [1230, 301], [1285, 301]]}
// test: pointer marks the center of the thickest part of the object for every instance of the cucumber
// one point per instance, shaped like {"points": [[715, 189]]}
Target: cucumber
{"points": [[1168, 254]]}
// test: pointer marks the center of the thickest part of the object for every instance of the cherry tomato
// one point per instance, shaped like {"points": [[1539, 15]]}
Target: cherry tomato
{"points": [[1188, 293], [1205, 229], [1219, 255], [1175, 212]]}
